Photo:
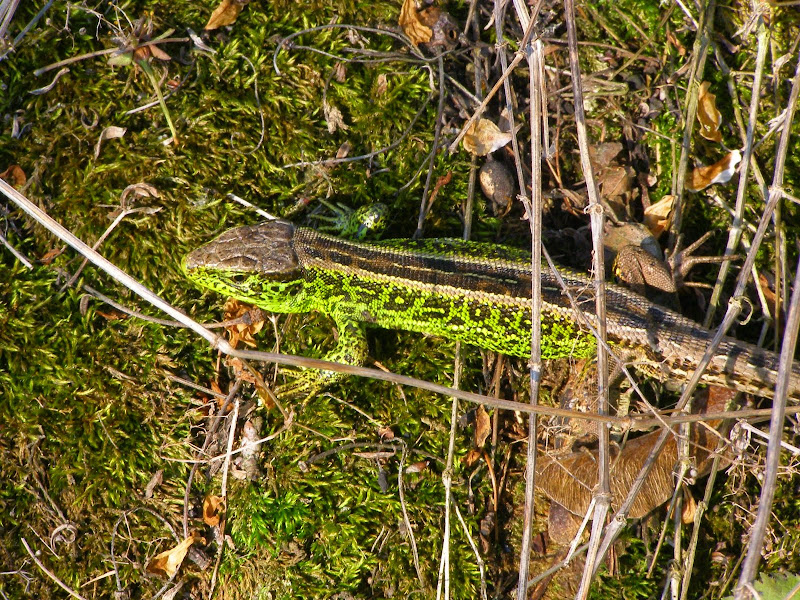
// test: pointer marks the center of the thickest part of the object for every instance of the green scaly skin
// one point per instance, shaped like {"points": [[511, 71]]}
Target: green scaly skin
{"points": [[476, 293]]}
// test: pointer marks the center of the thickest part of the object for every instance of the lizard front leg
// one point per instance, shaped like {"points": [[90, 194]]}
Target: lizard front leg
{"points": [[351, 349]]}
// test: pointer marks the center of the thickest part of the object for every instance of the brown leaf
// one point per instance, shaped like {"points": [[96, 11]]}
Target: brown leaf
{"points": [[658, 216], [385, 433], [473, 456], [213, 508], [708, 115], [381, 85], [483, 426], [15, 176], [168, 562], [676, 42], [109, 133], [417, 467], [334, 117], [769, 293], [689, 507], [720, 172], [112, 315], [156, 480], [484, 137], [251, 322], [416, 31], [51, 255], [225, 14]]}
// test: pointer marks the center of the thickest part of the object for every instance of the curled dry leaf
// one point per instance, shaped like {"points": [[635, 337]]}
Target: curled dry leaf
{"points": [[720, 172], [385, 433], [708, 115], [334, 117], [251, 322], [417, 467], [109, 133], [483, 426], [766, 284], [168, 562], [413, 27], [689, 508], [658, 216], [381, 85], [14, 175], [484, 137], [473, 456], [225, 14], [213, 508]]}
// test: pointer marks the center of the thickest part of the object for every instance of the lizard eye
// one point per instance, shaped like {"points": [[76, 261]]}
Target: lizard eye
{"points": [[239, 277], [452, 34]]}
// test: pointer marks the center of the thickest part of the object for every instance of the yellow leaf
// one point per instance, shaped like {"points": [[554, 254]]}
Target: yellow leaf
{"points": [[168, 562], [719, 172], [708, 115], [484, 137], [213, 507], [225, 14], [416, 31], [658, 216]]}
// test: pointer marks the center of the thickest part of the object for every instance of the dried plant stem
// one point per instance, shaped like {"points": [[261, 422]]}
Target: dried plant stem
{"points": [[49, 573], [736, 226], [699, 53], [535, 54], [595, 209], [753, 556], [223, 346]]}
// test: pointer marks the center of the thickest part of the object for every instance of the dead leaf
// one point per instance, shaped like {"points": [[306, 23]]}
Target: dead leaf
{"points": [[484, 137], [109, 133], [51, 255], [156, 480], [225, 14], [767, 289], [340, 72], [213, 508], [250, 322], [333, 116], [15, 176], [112, 315], [413, 27], [676, 42], [417, 467], [385, 433], [168, 562], [720, 172], [381, 85], [343, 150], [483, 426], [473, 456], [150, 51], [689, 507], [658, 216], [708, 115]]}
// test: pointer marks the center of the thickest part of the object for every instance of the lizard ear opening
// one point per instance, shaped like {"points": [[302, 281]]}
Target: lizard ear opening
{"points": [[265, 249]]}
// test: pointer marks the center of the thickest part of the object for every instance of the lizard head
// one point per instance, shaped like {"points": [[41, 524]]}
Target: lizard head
{"points": [[255, 263]]}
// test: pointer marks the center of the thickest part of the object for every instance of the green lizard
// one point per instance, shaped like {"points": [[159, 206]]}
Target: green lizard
{"points": [[476, 293]]}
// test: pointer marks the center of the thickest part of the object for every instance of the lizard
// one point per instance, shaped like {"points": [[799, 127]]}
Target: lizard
{"points": [[477, 293], [480, 294]]}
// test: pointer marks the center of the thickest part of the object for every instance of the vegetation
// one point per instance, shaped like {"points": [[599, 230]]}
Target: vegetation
{"points": [[92, 406]]}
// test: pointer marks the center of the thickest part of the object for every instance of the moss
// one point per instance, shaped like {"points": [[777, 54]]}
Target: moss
{"points": [[88, 412]]}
